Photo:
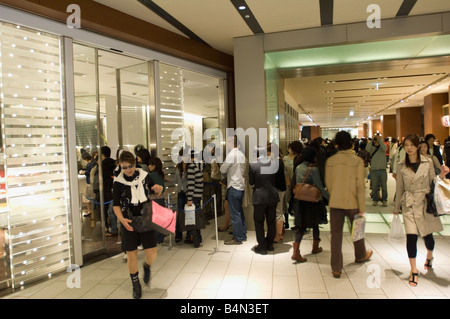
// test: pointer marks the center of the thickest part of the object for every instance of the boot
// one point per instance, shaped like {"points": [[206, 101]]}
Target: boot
{"points": [[137, 291], [296, 255], [279, 236], [316, 249], [147, 273]]}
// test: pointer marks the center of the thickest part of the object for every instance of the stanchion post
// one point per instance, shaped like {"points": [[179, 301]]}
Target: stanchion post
{"points": [[215, 219]]}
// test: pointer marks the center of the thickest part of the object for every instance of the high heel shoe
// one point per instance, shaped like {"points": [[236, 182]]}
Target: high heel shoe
{"points": [[428, 264], [413, 279]]}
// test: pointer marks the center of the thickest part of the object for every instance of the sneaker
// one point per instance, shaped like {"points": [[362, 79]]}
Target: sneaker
{"points": [[374, 203], [233, 241], [385, 204]]}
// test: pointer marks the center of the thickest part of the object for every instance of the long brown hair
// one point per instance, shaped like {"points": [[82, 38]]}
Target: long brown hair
{"points": [[414, 139]]}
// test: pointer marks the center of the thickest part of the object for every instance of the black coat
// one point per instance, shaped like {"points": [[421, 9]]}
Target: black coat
{"points": [[264, 185]]}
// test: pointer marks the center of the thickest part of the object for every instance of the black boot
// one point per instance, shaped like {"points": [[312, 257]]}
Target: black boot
{"points": [[147, 273], [137, 291]]}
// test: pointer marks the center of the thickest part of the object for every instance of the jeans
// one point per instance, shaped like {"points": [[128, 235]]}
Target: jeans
{"points": [[379, 178], [237, 216], [112, 218]]}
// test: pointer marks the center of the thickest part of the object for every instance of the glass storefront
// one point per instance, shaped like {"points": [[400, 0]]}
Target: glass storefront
{"points": [[120, 101]]}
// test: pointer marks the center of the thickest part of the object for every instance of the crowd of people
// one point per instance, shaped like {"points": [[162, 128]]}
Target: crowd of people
{"points": [[338, 168]]}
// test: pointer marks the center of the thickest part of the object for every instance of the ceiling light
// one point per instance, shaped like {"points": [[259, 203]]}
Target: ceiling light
{"points": [[242, 7]]}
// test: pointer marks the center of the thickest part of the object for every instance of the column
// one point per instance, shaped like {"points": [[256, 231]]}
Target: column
{"points": [[433, 114], [388, 126], [316, 131], [409, 120]]}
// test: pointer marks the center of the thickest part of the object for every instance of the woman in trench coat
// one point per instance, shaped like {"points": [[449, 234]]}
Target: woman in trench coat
{"points": [[414, 176]]}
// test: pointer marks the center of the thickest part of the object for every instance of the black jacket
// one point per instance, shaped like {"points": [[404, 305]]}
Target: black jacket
{"points": [[264, 185]]}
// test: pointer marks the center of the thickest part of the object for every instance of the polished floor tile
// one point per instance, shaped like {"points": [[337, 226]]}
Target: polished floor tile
{"points": [[218, 271]]}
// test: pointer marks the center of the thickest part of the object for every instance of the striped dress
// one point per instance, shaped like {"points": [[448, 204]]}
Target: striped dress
{"points": [[195, 181]]}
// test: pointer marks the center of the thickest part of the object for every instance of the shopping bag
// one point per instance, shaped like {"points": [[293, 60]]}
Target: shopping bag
{"points": [[159, 218], [442, 196], [358, 228], [397, 232], [189, 215]]}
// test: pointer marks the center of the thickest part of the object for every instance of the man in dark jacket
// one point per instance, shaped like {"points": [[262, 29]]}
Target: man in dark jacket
{"points": [[265, 199], [108, 166]]}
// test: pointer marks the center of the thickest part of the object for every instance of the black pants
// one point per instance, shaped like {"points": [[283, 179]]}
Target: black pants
{"points": [[265, 212], [411, 244]]}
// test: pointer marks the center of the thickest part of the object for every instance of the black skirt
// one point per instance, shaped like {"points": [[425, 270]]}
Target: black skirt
{"points": [[309, 215]]}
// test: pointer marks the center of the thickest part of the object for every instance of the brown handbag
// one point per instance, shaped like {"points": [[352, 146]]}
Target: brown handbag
{"points": [[306, 192]]}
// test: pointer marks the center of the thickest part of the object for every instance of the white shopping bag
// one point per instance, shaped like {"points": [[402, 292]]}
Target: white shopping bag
{"points": [[397, 232], [358, 228], [442, 196], [189, 215]]}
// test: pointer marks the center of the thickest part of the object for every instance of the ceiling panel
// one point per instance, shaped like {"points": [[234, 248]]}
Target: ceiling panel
{"points": [[350, 11], [136, 9], [430, 6], [276, 16], [216, 22], [328, 99]]}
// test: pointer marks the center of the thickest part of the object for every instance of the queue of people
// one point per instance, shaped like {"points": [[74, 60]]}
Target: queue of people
{"points": [[339, 169]]}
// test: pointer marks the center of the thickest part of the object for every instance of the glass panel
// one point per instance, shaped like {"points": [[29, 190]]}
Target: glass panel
{"points": [[35, 188], [194, 102], [122, 100], [134, 94], [85, 80], [171, 110]]}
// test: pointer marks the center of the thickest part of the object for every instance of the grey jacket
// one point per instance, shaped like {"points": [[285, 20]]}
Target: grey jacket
{"points": [[378, 160]]}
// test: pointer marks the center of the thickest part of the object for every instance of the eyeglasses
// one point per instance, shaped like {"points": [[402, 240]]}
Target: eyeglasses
{"points": [[126, 167]]}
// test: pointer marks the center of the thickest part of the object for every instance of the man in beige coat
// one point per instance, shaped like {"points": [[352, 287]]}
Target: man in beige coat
{"points": [[344, 177]]}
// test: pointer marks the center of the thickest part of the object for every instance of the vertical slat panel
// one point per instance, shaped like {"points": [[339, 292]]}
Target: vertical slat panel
{"points": [[33, 128]]}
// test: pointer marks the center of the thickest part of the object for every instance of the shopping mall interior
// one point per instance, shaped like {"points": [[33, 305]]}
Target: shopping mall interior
{"points": [[162, 73]]}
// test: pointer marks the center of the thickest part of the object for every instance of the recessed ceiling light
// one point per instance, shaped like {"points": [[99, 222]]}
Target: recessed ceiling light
{"points": [[242, 7]]}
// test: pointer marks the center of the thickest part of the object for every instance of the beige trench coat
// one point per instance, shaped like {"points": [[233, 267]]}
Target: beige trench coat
{"points": [[410, 194]]}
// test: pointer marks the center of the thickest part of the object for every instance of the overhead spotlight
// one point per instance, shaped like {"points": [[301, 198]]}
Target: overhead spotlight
{"points": [[242, 7]]}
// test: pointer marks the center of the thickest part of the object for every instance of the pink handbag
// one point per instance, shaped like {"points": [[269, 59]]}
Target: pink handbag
{"points": [[159, 218]]}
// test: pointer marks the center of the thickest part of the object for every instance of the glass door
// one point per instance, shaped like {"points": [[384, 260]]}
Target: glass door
{"points": [[111, 94]]}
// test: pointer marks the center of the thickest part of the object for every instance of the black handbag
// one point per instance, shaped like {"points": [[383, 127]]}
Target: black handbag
{"points": [[431, 205]]}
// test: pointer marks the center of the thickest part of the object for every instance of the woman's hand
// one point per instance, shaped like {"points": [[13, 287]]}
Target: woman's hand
{"points": [[444, 171], [157, 189], [127, 224]]}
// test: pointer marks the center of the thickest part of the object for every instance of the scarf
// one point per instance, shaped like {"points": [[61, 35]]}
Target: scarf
{"points": [[136, 186]]}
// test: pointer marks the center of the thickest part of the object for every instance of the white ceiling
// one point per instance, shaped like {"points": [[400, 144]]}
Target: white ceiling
{"points": [[217, 22]]}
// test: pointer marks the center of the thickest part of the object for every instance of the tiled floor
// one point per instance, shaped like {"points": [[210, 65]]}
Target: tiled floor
{"points": [[235, 272]]}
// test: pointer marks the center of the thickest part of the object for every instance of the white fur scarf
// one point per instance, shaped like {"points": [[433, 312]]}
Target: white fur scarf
{"points": [[137, 186]]}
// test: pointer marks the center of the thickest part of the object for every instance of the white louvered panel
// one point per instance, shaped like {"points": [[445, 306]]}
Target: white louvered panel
{"points": [[35, 153], [23, 111], [36, 188], [36, 159], [29, 123], [171, 112], [33, 140], [42, 169], [36, 132]]}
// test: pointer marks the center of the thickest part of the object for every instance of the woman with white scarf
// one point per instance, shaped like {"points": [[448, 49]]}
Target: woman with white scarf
{"points": [[132, 188]]}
